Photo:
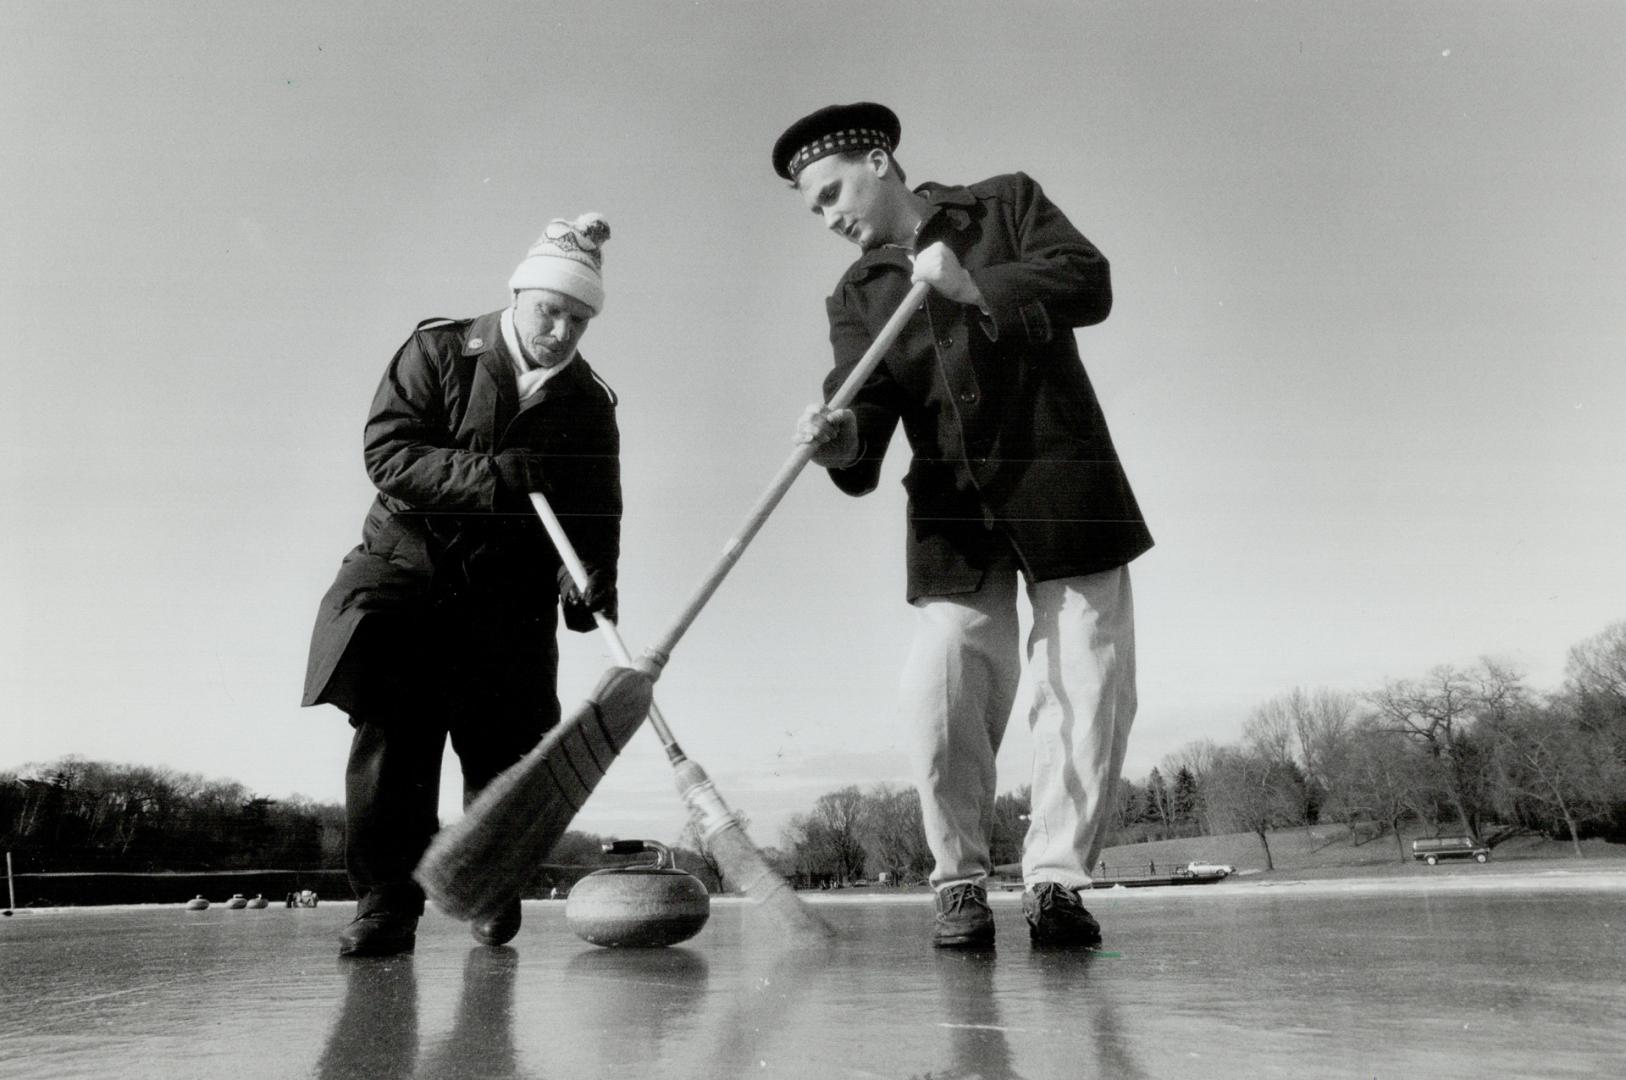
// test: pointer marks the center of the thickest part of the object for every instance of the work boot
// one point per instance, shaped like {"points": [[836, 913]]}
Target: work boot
{"points": [[963, 918], [379, 933], [500, 928], [1057, 917]]}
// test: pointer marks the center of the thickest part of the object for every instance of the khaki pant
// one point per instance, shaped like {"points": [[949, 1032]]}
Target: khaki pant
{"points": [[958, 686]]}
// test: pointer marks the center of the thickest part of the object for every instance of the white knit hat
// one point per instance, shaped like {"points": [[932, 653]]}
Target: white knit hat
{"points": [[567, 258]]}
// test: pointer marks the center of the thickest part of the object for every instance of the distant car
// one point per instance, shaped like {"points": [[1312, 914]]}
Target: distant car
{"points": [[1432, 849], [1205, 869]]}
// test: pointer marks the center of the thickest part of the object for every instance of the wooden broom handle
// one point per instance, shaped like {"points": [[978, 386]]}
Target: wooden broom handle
{"points": [[661, 651]]}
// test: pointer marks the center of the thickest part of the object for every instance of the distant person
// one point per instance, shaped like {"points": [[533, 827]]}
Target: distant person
{"points": [[442, 621], [1013, 476]]}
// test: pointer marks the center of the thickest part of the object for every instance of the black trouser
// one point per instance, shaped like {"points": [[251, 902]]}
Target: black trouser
{"points": [[495, 700]]}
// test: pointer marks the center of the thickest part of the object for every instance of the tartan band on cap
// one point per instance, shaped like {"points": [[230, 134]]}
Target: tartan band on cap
{"points": [[837, 142], [863, 125]]}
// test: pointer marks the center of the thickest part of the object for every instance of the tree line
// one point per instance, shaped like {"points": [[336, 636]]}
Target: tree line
{"points": [[1458, 750], [80, 816]]}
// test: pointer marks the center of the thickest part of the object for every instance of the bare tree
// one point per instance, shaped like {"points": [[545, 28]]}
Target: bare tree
{"points": [[1385, 779], [892, 834], [804, 848], [1322, 725], [1249, 790], [1546, 762], [1595, 679], [1597, 666], [1322, 722], [1437, 711], [826, 840], [1269, 733]]}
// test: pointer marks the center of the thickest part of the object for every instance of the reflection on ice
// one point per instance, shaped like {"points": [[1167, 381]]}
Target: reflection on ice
{"points": [[1249, 982], [376, 1033]]}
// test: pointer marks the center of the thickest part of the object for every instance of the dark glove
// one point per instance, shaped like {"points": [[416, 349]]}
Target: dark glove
{"points": [[520, 472], [579, 606]]}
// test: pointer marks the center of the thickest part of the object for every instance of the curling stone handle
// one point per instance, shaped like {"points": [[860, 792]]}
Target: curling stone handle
{"points": [[663, 854]]}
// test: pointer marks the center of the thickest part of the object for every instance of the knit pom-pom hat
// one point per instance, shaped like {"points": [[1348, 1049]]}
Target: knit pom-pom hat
{"points": [[568, 258]]}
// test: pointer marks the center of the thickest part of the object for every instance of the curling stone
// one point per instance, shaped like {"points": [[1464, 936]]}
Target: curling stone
{"points": [[237, 902], [645, 905], [259, 901], [197, 903]]}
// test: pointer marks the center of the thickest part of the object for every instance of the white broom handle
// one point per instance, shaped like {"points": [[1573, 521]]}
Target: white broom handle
{"points": [[578, 574], [661, 651], [698, 790]]}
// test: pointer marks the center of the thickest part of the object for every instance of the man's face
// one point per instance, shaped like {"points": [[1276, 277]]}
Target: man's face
{"points": [[848, 197], [549, 325]]}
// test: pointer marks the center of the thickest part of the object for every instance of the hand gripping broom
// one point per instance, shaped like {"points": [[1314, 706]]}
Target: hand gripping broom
{"points": [[478, 864]]}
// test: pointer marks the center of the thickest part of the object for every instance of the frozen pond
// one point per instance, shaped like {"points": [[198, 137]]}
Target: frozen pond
{"points": [[1518, 979]]}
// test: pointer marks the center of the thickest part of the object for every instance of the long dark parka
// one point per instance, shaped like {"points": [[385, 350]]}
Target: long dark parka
{"points": [[455, 582]]}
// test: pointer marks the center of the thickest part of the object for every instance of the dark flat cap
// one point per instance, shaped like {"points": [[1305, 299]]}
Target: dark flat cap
{"points": [[832, 130]]}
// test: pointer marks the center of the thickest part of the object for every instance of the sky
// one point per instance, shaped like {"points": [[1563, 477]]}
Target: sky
{"points": [[1365, 366]]}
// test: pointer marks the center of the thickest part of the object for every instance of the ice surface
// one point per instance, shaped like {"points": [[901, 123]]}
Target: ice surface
{"points": [[1211, 981]]}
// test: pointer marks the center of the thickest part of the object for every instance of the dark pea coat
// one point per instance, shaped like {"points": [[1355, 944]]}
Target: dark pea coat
{"points": [[454, 588], [1010, 447]]}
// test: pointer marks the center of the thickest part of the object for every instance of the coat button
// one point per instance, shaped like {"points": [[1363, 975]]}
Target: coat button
{"points": [[947, 343], [968, 396]]}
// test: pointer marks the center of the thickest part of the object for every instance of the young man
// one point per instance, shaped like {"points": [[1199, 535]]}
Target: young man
{"points": [[1013, 476], [441, 623]]}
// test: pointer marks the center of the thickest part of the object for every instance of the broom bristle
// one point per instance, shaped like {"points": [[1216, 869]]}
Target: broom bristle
{"points": [[475, 866], [742, 863]]}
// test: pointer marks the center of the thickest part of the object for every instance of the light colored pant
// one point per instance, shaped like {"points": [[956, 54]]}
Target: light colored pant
{"points": [[958, 686]]}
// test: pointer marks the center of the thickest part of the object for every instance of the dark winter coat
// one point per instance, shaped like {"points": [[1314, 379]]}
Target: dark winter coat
{"points": [[455, 578], [1010, 445]]}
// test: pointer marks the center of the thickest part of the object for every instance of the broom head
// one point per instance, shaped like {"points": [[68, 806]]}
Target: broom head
{"points": [[475, 866]]}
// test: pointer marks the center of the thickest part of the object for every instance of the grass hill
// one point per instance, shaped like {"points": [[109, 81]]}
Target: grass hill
{"points": [[1327, 850]]}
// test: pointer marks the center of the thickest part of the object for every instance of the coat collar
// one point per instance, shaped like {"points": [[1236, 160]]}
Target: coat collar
{"points": [[950, 194], [948, 207], [482, 339], [948, 204]]}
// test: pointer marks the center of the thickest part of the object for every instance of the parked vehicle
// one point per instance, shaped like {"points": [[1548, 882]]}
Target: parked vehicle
{"points": [[1434, 848], [1205, 869]]}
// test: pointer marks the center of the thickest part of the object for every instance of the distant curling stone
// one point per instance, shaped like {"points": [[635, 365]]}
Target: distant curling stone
{"points": [[237, 902], [642, 906], [197, 903], [259, 901]]}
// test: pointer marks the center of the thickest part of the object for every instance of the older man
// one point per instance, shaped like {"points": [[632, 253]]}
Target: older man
{"points": [[1014, 478], [441, 623]]}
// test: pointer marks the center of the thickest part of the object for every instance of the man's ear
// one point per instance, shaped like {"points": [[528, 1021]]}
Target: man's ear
{"points": [[879, 160]]}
